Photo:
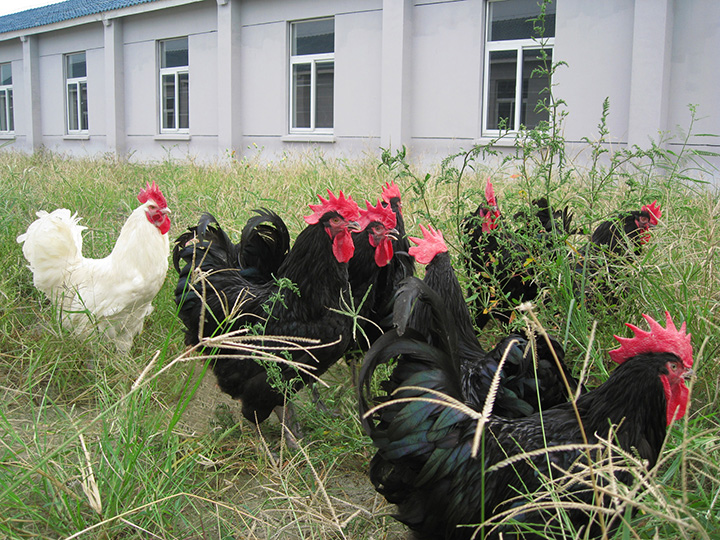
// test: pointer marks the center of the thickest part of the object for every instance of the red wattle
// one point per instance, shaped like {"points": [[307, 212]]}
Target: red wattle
{"points": [[676, 398], [383, 253], [160, 220], [343, 247], [165, 225], [489, 223]]}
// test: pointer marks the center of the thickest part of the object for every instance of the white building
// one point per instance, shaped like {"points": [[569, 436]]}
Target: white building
{"points": [[156, 78]]}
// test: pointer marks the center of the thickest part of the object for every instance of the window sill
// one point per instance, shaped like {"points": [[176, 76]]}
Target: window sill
{"points": [[308, 137], [7, 136], [507, 141], [77, 137], [172, 137]]}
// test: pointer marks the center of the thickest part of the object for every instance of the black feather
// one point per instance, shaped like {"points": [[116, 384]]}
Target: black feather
{"points": [[424, 461], [215, 295], [264, 244], [530, 367]]}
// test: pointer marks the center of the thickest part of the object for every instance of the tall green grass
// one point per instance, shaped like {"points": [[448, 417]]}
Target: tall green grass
{"points": [[95, 444]]}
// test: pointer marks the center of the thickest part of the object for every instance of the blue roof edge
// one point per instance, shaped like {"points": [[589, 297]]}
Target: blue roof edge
{"points": [[62, 11]]}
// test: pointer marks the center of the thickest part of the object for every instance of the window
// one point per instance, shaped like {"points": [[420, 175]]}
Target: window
{"points": [[174, 86], [312, 76], [76, 89], [7, 122], [514, 50]]}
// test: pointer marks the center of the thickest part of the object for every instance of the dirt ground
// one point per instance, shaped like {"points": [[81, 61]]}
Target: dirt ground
{"points": [[348, 490]]}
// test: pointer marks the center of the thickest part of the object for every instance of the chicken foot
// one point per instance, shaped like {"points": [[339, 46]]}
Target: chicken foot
{"points": [[291, 427]]}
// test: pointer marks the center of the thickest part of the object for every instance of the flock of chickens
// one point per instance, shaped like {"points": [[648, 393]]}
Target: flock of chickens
{"points": [[466, 439]]}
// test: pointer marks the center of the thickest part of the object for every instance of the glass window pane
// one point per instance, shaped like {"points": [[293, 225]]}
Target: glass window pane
{"points": [[76, 66], [183, 101], [83, 106], [72, 107], [5, 74], [301, 96], [533, 87], [3, 111], [511, 20], [325, 74], [168, 101], [313, 37], [11, 112], [174, 53], [501, 90]]}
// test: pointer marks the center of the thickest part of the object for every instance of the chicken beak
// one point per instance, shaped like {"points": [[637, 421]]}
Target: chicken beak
{"points": [[689, 374], [353, 226], [393, 234]]}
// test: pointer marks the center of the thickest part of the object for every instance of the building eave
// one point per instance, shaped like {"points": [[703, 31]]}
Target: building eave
{"points": [[103, 16]]}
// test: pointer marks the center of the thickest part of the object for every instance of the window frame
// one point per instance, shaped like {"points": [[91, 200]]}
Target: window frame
{"points": [[312, 60], [520, 47], [176, 72], [9, 112], [80, 104]]}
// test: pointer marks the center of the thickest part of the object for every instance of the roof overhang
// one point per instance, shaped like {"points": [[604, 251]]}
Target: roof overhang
{"points": [[105, 17]]}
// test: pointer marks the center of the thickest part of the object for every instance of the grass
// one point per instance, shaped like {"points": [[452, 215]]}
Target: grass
{"points": [[89, 448]]}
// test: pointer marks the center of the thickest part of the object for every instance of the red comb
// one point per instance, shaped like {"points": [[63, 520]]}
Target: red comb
{"points": [[347, 208], [490, 193], [428, 246], [390, 191], [380, 213], [657, 340], [654, 211], [152, 192]]}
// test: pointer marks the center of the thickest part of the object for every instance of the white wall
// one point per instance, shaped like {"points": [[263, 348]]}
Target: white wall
{"points": [[263, 74], [140, 89], [52, 50], [695, 71], [358, 41], [265, 77], [595, 39], [446, 67], [140, 35]]}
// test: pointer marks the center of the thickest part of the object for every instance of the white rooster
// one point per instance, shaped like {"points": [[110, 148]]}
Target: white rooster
{"points": [[114, 294]]}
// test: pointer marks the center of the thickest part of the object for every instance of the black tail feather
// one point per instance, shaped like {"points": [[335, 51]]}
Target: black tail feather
{"points": [[264, 244]]}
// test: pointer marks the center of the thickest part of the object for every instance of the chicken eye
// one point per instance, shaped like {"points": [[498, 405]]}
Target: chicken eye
{"points": [[673, 366]]}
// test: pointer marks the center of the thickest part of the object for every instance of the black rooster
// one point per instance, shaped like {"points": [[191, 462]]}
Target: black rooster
{"points": [[373, 254], [549, 225], [499, 279], [628, 231], [311, 283], [613, 244], [401, 266], [443, 474], [528, 382], [500, 260]]}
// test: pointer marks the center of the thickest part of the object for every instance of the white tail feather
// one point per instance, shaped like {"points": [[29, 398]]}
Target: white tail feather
{"points": [[53, 246]]}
